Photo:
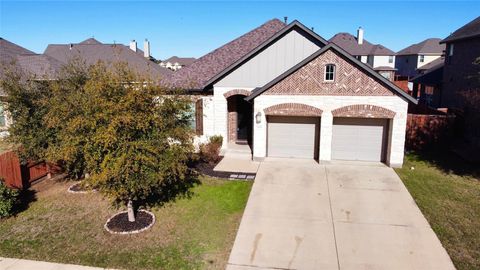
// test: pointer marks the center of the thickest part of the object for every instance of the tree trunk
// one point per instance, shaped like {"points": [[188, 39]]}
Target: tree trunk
{"points": [[131, 213]]}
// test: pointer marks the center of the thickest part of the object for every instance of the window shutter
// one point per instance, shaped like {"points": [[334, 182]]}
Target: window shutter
{"points": [[199, 117]]}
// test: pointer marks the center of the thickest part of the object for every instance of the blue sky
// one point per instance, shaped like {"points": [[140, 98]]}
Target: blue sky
{"points": [[196, 27]]}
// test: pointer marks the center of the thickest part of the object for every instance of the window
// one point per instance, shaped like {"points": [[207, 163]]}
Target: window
{"points": [[422, 58], [390, 59], [3, 121], [195, 115], [450, 50], [329, 73]]}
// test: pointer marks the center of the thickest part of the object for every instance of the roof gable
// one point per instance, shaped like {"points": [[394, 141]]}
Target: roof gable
{"points": [[196, 75], [469, 30], [9, 50], [310, 71], [350, 44], [428, 46]]}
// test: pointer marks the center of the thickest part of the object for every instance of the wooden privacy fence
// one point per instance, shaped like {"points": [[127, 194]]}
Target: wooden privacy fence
{"points": [[428, 130], [20, 176]]}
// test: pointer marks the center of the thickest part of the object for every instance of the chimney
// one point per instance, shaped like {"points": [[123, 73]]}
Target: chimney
{"points": [[133, 45], [360, 36], [285, 19], [70, 46], [146, 48]]}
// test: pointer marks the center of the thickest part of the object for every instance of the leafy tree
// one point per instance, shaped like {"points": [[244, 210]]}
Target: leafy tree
{"points": [[24, 101], [141, 142], [68, 116]]}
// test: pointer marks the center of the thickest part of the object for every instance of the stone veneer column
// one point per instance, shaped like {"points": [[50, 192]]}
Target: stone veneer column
{"points": [[326, 125]]}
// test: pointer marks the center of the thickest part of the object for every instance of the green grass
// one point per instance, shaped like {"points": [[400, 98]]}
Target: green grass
{"points": [[447, 190], [190, 233]]}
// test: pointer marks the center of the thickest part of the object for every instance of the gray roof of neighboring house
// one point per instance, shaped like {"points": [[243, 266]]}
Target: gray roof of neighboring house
{"points": [[201, 71], [40, 65], [349, 43], [469, 30], [184, 61], [431, 76], [92, 51], [428, 46], [432, 64]]}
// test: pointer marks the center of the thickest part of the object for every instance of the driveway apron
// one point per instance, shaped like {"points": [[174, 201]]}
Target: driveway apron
{"points": [[302, 215]]}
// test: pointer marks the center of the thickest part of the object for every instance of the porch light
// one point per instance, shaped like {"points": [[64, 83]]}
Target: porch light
{"points": [[258, 118]]}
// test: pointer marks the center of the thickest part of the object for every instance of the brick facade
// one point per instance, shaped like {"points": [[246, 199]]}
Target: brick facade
{"points": [[349, 80], [363, 111], [236, 92], [292, 109]]}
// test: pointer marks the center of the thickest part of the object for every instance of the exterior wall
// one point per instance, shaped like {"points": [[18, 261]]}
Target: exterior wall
{"points": [[459, 72], [273, 61], [406, 65], [382, 61], [327, 104], [427, 59]]}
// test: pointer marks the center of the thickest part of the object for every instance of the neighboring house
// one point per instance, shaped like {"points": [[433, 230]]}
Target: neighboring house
{"points": [[409, 61], [287, 92], [91, 51], [377, 56], [461, 76], [427, 85], [175, 63], [17, 57]]}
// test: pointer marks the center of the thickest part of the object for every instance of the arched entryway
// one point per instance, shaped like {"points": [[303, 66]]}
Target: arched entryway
{"points": [[240, 118]]}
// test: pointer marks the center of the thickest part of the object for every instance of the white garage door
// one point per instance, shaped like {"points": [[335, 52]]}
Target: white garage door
{"points": [[359, 139], [294, 137]]}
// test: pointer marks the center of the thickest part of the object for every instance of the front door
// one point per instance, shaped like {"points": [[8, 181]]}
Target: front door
{"points": [[244, 121]]}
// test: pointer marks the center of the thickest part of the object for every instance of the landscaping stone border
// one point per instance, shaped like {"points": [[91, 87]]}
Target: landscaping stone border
{"points": [[70, 190], [131, 232]]}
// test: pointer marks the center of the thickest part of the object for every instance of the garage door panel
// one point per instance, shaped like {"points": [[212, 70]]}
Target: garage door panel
{"points": [[292, 137], [358, 139]]}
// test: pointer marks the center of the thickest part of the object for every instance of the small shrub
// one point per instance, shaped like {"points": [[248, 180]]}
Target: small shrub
{"points": [[8, 199], [209, 152], [216, 139]]}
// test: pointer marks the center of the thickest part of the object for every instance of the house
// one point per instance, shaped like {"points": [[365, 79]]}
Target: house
{"points": [[410, 60], [91, 51], [284, 91], [377, 56], [461, 76], [15, 56], [427, 85], [175, 63]]}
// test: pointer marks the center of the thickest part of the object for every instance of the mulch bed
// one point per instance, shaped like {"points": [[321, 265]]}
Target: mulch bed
{"points": [[207, 169], [119, 224]]}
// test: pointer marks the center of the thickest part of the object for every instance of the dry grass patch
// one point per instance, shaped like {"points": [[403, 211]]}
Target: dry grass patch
{"points": [[190, 233]]}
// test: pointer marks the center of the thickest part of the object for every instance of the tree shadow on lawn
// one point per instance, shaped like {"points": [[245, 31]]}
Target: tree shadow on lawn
{"points": [[173, 189], [448, 162], [25, 198]]}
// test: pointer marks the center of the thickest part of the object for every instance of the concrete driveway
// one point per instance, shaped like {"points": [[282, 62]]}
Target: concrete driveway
{"points": [[302, 215]]}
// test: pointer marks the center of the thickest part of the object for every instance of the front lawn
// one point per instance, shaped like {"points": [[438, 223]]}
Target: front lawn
{"points": [[190, 233], [447, 190]]}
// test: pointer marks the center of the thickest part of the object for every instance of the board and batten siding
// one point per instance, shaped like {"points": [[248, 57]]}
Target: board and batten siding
{"points": [[271, 62]]}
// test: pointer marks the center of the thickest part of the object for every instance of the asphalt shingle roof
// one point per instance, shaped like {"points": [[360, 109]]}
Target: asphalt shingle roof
{"points": [[349, 43], [40, 65], [91, 52], [196, 75], [469, 30], [428, 46], [184, 61]]}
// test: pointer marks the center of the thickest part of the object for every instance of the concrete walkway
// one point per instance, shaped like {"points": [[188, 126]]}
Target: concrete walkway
{"points": [[302, 215], [19, 264]]}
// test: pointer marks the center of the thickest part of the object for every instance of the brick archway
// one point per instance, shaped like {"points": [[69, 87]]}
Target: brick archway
{"points": [[236, 92], [293, 109], [363, 111]]}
